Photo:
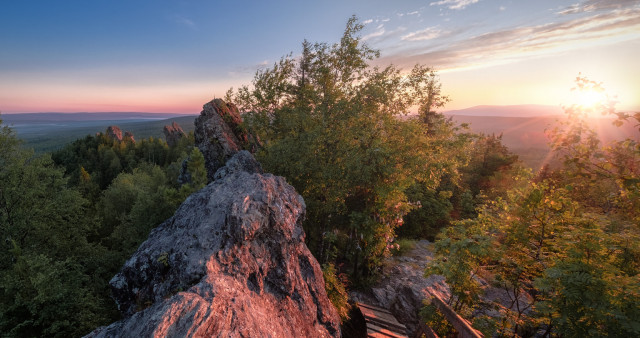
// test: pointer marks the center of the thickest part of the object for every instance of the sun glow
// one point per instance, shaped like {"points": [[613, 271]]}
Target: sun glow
{"points": [[591, 99]]}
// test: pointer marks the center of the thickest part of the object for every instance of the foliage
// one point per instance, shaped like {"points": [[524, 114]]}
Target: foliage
{"points": [[66, 234], [434, 319], [563, 248], [333, 126], [403, 246], [45, 287], [459, 254], [336, 290]]}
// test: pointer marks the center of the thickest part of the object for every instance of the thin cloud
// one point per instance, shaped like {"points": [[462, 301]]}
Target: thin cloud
{"points": [[425, 34], [186, 22], [379, 32], [242, 70], [454, 4], [366, 22], [598, 5], [524, 42], [382, 35]]}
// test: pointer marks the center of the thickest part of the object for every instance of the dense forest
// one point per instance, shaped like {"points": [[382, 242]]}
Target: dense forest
{"points": [[70, 219], [375, 164]]}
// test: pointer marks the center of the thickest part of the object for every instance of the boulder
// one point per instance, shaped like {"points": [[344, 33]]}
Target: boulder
{"points": [[231, 262], [219, 134], [173, 133], [114, 133]]}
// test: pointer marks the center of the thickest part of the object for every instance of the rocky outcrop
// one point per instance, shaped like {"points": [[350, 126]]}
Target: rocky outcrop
{"points": [[173, 133], [230, 262], [128, 136], [219, 134], [114, 133]]}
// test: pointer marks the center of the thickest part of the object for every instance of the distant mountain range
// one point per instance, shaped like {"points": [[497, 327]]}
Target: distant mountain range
{"points": [[82, 117], [522, 110]]}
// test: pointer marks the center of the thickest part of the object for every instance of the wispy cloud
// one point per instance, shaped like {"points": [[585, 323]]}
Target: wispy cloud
{"points": [[424, 34], [454, 4], [250, 69], [521, 42], [181, 20], [366, 22], [377, 33], [597, 5]]}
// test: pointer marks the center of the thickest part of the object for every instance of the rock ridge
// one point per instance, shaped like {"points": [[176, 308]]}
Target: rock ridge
{"points": [[231, 262]]}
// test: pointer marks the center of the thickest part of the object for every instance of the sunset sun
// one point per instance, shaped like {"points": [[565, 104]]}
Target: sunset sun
{"points": [[589, 99]]}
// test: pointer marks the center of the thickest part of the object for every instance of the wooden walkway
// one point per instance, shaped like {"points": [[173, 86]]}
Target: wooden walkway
{"points": [[381, 323]]}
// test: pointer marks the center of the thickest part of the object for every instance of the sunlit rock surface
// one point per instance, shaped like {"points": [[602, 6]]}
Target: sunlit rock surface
{"points": [[230, 262], [219, 134], [114, 133]]}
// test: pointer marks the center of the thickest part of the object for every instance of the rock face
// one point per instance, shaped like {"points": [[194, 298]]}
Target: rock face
{"points": [[114, 133], [230, 262], [128, 136], [219, 134], [173, 133]]}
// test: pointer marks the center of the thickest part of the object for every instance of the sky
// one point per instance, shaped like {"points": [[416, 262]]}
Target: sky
{"points": [[174, 56]]}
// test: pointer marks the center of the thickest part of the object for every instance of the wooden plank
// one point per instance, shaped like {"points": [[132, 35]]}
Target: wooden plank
{"points": [[465, 330], [377, 331], [425, 330], [382, 318], [376, 312], [380, 322]]}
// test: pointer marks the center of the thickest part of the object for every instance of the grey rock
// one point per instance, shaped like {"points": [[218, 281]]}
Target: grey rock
{"points": [[231, 262], [173, 133], [219, 134], [185, 176]]}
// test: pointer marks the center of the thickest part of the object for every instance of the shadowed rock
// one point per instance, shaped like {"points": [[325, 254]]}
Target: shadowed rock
{"points": [[219, 134], [230, 262], [173, 134]]}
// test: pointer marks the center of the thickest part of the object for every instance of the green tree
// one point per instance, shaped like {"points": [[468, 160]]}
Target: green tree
{"points": [[564, 248], [45, 287], [333, 126]]}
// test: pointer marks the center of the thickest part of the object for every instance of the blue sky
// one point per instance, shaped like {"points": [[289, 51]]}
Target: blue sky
{"points": [[173, 56]]}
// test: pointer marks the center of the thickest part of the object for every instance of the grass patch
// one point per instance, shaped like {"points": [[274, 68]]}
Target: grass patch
{"points": [[404, 246]]}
